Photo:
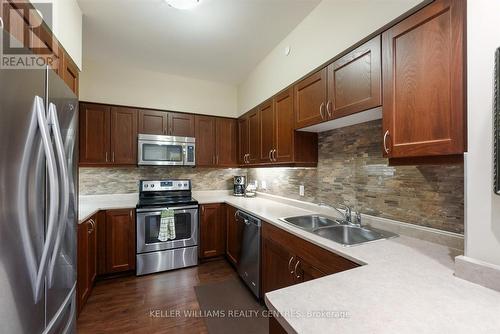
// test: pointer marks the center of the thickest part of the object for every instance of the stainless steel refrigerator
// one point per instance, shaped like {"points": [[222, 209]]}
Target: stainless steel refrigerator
{"points": [[38, 202]]}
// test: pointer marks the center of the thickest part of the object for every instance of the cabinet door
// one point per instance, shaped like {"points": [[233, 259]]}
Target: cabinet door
{"points": [[253, 137], [235, 229], [100, 221], [212, 230], [70, 72], [92, 251], [120, 240], [277, 266], [94, 134], [267, 131], [181, 125], [424, 76], [243, 147], [205, 141], [83, 287], [152, 122], [227, 142], [42, 43], [284, 127], [354, 81], [123, 136], [310, 97]]}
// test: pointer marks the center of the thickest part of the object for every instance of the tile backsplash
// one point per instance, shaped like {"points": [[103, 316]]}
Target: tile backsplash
{"points": [[123, 180], [351, 170]]}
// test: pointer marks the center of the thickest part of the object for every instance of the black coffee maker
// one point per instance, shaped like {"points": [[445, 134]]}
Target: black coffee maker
{"points": [[239, 185]]}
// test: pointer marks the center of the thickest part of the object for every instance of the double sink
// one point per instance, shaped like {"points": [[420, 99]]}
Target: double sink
{"points": [[342, 232]]}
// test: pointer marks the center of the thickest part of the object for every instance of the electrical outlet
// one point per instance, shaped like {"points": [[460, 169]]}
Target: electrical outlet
{"points": [[263, 185], [301, 190]]}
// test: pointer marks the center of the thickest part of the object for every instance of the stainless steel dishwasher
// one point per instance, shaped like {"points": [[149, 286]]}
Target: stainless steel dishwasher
{"points": [[249, 264]]}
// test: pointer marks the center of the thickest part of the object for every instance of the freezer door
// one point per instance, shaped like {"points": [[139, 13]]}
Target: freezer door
{"points": [[22, 201], [62, 106]]}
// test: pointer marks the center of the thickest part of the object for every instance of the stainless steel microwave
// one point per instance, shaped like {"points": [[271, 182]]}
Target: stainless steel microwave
{"points": [[156, 150]]}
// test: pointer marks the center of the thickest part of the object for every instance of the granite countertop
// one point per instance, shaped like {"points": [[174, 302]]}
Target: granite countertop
{"points": [[404, 285]]}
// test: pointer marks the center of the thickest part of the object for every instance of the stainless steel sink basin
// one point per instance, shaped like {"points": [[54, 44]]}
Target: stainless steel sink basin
{"points": [[337, 230], [311, 222], [349, 235]]}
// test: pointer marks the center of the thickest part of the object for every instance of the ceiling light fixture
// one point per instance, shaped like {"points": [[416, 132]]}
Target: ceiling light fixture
{"points": [[182, 4]]}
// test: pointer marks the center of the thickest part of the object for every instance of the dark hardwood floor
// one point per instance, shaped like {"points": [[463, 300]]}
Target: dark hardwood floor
{"points": [[124, 305]]}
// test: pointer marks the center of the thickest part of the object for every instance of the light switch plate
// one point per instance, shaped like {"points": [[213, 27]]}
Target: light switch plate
{"points": [[301, 190]]}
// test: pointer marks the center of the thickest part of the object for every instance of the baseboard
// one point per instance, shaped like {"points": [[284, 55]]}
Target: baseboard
{"points": [[479, 272]]}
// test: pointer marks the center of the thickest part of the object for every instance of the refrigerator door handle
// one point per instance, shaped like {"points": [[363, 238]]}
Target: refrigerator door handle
{"points": [[53, 193], [64, 179]]}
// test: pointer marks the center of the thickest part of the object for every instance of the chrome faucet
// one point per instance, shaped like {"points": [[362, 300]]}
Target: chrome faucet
{"points": [[347, 213]]}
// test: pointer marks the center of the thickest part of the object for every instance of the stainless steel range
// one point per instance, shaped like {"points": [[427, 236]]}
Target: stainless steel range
{"points": [[157, 251]]}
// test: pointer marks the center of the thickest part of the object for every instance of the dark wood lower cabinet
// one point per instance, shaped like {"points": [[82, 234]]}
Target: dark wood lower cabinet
{"points": [[106, 246], [212, 230], [275, 327], [234, 235], [288, 260], [87, 260], [120, 240]]}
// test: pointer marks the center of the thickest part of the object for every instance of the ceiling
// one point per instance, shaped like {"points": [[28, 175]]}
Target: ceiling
{"points": [[220, 40]]}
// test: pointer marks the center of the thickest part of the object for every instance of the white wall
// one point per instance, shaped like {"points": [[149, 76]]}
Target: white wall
{"points": [[332, 27], [115, 84], [482, 234], [67, 26]]}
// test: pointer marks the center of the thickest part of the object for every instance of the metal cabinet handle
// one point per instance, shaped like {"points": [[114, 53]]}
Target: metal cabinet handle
{"points": [[274, 155], [290, 265], [386, 149], [92, 223], [217, 159], [113, 156], [321, 110], [329, 108], [106, 156], [270, 155], [295, 269]]}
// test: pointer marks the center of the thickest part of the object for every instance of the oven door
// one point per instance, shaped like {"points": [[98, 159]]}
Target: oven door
{"points": [[148, 227], [161, 153]]}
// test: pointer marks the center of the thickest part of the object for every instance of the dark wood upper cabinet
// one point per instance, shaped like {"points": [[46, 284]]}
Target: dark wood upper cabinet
{"points": [[120, 240], [205, 141], [243, 147], [234, 235], [153, 122], [212, 230], [310, 97], [424, 82], [253, 136], [354, 81], [226, 142], [94, 132], [181, 125], [123, 136], [267, 131], [284, 127], [69, 72]]}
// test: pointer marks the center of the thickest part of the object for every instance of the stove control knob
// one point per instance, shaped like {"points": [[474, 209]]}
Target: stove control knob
{"points": [[152, 186], [145, 186]]}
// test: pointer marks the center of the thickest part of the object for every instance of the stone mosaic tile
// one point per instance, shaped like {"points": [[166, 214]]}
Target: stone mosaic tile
{"points": [[351, 170], [123, 180]]}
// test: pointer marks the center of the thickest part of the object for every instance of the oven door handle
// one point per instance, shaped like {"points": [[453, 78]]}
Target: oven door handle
{"points": [[149, 210]]}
